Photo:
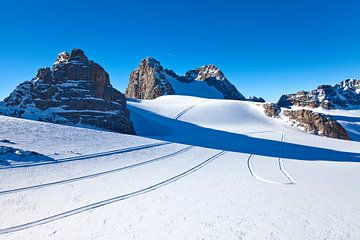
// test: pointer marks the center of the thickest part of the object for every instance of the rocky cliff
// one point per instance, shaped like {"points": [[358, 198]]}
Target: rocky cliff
{"points": [[77, 91]]}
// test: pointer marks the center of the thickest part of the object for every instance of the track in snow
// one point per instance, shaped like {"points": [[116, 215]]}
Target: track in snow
{"points": [[111, 200], [280, 163], [33, 187], [88, 156], [180, 114]]}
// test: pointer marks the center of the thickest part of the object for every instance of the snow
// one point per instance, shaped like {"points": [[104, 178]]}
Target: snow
{"points": [[201, 169]]}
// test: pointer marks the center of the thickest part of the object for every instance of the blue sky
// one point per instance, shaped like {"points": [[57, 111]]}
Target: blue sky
{"points": [[266, 48]]}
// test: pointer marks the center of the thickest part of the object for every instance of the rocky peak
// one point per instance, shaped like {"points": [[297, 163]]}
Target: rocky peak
{"points": [[77, 55], [76, 66], [150, 63], [148, 81], [76, 92], [62, 58], [205, 72]]}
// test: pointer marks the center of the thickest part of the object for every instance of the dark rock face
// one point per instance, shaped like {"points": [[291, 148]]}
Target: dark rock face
{"points": [[76, 92], [255, 99], [317, 123], [271, 109], [213, 76], [345, 94], [150, 80]]}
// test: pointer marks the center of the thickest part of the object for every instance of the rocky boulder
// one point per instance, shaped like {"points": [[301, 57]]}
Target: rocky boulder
{"points": [[316, 123], [77, 91]]}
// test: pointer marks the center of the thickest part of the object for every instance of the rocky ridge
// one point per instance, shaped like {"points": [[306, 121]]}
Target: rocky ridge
{"points": [[150, 80], [343, 95]]}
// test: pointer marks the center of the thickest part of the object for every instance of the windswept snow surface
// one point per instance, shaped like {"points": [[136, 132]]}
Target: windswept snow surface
{"points": [[201, 169]]}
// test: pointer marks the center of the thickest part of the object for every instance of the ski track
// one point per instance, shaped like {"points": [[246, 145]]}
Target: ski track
{"points": [[180, 114], [111, 200], [83, 157], [34, 187], [280, 163]]}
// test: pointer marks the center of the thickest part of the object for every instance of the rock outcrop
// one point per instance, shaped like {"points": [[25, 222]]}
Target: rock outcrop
{"points": [[150, 80], [316, 123], [344, 95], [77, 91], [271, 109]]}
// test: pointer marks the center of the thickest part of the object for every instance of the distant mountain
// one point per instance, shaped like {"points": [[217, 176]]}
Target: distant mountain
{"points": [[77, 91], [150, 80], [344, 95]]}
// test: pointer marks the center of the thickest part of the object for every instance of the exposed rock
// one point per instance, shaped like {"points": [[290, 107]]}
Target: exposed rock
{"points": [[150, 80], [345, 94], [271, 109], [76, 92], [316, 123], [255, 99]]}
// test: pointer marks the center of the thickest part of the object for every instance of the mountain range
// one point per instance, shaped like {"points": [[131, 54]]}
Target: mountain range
{"points": [[77, 91]]}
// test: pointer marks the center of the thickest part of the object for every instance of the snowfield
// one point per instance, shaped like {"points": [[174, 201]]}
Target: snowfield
{"points": [[199, 169]]}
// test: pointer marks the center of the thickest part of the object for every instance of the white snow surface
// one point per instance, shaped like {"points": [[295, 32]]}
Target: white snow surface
{"points": [[201, 169]]}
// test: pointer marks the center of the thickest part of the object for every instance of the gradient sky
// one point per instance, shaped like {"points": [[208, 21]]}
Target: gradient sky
{"points": [[266, 48]]}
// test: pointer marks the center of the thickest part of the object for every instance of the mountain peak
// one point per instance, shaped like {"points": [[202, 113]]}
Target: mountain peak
{"points": [[151, 62], [208, 71], [77, 55]]}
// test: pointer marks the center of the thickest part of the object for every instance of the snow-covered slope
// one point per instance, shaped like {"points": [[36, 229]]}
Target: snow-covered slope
{"points": [[203, 169]]}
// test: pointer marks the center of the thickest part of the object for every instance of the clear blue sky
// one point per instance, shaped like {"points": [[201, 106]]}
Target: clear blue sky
{"points": [[266, 48]]}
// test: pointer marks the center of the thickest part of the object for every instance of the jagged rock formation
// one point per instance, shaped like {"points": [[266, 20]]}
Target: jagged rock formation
{"points": [[271, 109], [345, 94], [316, 123], [150, 80], [77, 91]]}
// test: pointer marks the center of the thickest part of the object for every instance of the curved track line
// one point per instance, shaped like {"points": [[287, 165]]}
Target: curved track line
{"points": [[94, 155], [33, 187], [280, 162], [110, 200]]}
